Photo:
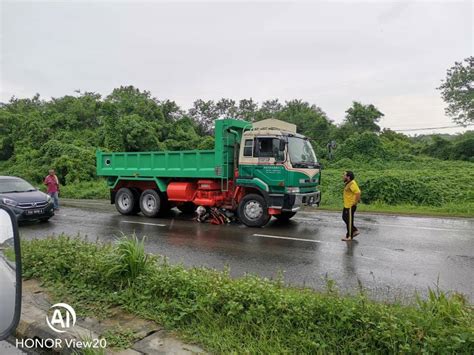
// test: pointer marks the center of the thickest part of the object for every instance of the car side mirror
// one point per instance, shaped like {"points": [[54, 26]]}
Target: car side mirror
{"points": [[10, 273]]}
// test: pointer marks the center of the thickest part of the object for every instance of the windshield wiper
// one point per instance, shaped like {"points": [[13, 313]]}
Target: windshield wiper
{"points": [[305, 165], [13, 191], [300, 165]]}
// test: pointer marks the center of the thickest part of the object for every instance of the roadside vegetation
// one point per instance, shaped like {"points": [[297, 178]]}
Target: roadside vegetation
{"points": [[425, 186], [426, 173], [251, 314]]}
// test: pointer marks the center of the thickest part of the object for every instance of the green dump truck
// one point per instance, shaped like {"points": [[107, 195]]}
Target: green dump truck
{"points": [[257, 170]]}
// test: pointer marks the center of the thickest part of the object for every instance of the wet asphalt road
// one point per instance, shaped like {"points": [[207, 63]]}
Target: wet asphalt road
{"points": [[393, 257]]}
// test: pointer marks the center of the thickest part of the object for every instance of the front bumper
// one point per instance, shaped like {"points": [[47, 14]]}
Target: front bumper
{"points": [[293, 202], [31, 214]]}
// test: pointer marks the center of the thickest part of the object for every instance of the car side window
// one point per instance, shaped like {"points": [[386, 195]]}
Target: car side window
{"points": [[248, 147]]}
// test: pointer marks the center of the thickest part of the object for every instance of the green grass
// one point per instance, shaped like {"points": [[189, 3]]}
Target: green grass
{"points": [[96, 189], [425, 186], [447, 210], [119, 338], [244, 315]]}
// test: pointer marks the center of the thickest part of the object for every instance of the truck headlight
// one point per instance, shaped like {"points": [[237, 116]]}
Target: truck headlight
{"points": [[292, 190], [9, 202]]}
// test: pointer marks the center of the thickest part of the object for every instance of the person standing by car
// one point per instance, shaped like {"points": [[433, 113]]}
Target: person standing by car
{"points": [[351, 197], [52, 184]]}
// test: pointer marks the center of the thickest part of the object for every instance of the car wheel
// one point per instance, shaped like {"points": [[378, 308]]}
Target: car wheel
{"points": [[253, 211], [125, 201]]}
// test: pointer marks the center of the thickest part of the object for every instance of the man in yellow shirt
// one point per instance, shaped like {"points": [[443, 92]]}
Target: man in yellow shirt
{"points": [[351, 199]]}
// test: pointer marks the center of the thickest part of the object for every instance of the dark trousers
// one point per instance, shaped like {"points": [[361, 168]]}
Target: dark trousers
{"points": [[348, 218]]}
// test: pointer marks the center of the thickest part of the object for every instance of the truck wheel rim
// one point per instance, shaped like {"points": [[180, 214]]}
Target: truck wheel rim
{"points": [[149, 203], [253, 210], [124, 202]]}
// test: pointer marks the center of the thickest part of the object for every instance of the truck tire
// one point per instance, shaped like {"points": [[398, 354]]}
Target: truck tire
{"points": [[151, 203], [187, 208], [285, 216], [125, 201], [253, 211]]}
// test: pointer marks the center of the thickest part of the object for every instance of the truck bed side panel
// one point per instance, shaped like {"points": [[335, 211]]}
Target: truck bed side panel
{"points": [[189, 164]]}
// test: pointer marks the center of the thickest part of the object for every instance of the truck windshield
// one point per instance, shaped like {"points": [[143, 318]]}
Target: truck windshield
{"points": [[301, 152]]}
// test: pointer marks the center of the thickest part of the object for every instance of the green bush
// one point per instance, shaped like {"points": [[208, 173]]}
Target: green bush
{"points": [[395, 190], [95, 189], [362, 147]]}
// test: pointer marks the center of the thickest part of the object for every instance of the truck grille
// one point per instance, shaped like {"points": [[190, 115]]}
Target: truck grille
{"points": [[27, 205]]}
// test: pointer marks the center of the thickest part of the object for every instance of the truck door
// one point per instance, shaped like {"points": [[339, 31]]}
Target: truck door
{"points": [[270, 154]]}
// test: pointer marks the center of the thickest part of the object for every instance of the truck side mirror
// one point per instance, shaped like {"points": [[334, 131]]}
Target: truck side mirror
{"points": [[10, 273]]}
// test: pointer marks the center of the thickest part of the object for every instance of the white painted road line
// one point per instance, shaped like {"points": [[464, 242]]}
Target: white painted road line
{"points": [[145, 223], [288, 238]]}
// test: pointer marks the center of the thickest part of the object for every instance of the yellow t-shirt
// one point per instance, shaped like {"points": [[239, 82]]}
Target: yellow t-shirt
{"points": [[350, 191]]}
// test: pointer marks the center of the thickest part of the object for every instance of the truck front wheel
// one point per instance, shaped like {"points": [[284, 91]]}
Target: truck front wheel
{"points": [[253, 211], [125, 201], [151, 203]]}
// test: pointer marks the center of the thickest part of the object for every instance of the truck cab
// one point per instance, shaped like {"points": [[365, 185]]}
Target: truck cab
{"points": [[282, 166]]}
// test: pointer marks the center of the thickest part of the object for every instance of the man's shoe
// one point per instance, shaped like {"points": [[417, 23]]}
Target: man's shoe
{"points": [[355, 234], [345, 239]]}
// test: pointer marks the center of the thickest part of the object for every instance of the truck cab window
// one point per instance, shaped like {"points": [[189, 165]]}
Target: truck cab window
{"points": [[248, 147], [268, 148]]}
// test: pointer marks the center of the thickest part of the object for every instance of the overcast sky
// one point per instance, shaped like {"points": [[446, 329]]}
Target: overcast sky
{"points": [[391, 54]]}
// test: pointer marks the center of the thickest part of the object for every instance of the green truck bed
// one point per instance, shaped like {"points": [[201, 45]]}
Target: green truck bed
{"points": [[216, 163]]}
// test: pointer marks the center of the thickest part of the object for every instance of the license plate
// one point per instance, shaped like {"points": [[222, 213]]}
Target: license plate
{"points": [[38, 211]]}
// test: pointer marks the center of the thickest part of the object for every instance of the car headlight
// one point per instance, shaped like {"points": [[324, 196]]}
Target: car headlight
{"points": [[292, 190], [9, 202], [48, 198]]}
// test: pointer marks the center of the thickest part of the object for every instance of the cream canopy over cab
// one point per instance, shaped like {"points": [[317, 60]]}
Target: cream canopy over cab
{"points": [[269, 128]]}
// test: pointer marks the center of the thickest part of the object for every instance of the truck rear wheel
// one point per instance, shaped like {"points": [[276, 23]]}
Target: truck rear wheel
{"points": [[284, 216], [253, 211], [151, 203], [125, 201]]}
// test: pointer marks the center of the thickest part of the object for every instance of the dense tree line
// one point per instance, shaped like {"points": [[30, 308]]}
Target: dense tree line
{"points": [[63, 133]]}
